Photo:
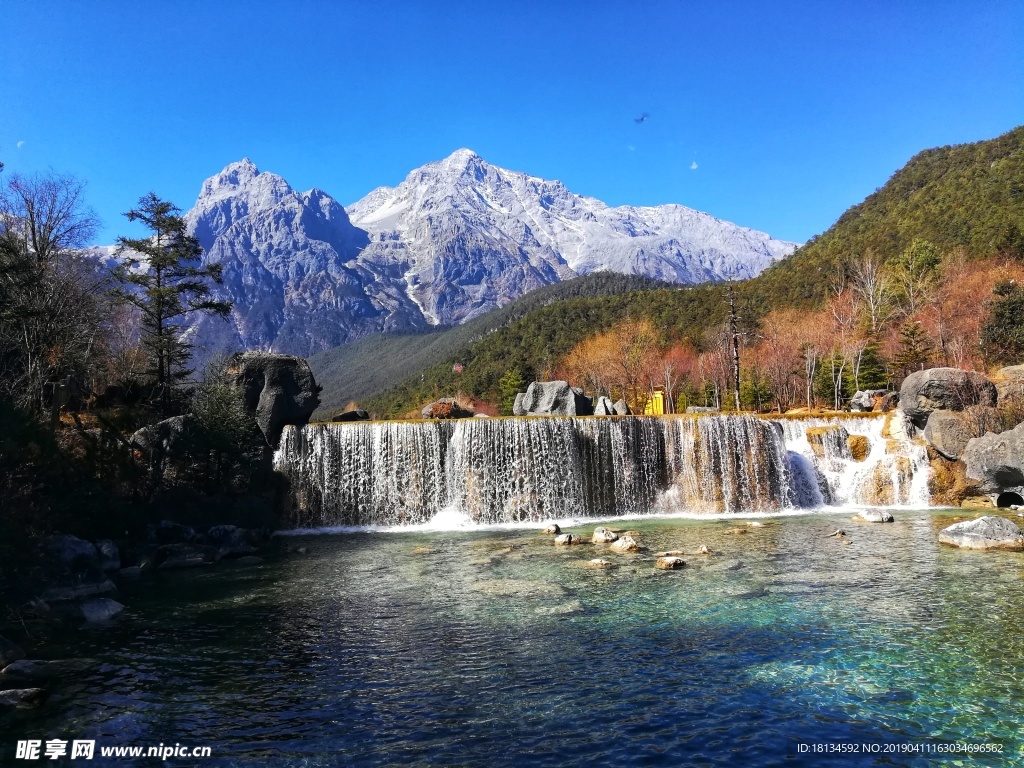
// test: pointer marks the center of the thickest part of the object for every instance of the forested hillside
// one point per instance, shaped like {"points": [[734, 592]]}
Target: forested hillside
{"points": [[894, 271], [372, 364]]}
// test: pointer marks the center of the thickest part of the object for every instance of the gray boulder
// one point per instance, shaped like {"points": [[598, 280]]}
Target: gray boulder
{"points": [[949, 389], [553, 398], [22, 698], [622, 408], [604, 536], [864, 400], [948, 433], [996, 461], [518, 409], [984, 533], [9, 652], [70, 553], [604, 407], [357, 415], [166, 438], [278, 389]]}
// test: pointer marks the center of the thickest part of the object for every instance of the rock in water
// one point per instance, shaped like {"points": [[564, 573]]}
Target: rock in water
{"points": [[553, 528], [875, 516], [984, 533], [110, 558], [567, 539], [625, 544], [604, 536], [859, 447], [100, 609], [948, 389], [22, 698], [554, 398], [279, 389], [669, 563]]}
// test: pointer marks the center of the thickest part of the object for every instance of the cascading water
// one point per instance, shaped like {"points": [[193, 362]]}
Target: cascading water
{"points": [[540, 468]]}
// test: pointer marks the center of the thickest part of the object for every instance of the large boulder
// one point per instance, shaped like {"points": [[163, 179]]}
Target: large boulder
{"points": [[996, 461], [278, 389], [604, 407], [949, 389], [984, 533], [1010, 383], [445, 408], [553, 398], [948, 433], [864, 400]]}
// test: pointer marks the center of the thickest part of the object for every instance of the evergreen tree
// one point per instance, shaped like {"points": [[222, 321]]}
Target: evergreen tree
{"points": [[510, 385], [916, 349], [1002, 336], [171, 286]]}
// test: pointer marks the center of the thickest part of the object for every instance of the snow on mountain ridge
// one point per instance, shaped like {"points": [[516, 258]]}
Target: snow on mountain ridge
{"points": [[457, 238]]}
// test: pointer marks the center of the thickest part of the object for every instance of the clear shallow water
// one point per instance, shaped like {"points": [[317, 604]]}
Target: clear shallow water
{"points": [[497, 648]]}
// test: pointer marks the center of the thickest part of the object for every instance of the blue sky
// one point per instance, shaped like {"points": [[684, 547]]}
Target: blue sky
{"points": [[776, 116]]}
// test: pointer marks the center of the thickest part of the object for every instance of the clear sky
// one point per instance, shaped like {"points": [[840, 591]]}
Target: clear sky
{"points": [[774, 115]]}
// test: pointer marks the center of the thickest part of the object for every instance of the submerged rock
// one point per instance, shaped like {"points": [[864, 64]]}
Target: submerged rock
{"points": [[669, 563], [599, 563], [552, 529], [567, 539], [984, 533], [625, 544], [875, 516], [35, 669], [518, 588], [99, 609], [604, 536]]}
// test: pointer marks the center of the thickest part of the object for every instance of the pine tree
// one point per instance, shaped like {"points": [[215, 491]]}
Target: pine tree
{"points": [[916, 349], [171, 286], [508, 387], [1002, 336]]}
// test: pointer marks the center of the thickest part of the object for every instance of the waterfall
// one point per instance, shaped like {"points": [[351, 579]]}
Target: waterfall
{"points": [[488, 471]]}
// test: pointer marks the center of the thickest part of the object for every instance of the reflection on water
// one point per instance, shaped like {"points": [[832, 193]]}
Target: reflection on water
{"points": [[497, 648]]}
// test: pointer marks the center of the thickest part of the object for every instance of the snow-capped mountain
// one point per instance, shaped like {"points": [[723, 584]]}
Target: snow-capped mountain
{"points": [[457, 238]]}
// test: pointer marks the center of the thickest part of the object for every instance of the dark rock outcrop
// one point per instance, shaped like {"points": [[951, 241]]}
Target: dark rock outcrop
{"points": [[109, 556], [949, 389], [22, 698], [165, 439], [356, 415], [99, 609], [996, 461], [984, 533], [553, 398], [279, 389]]}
